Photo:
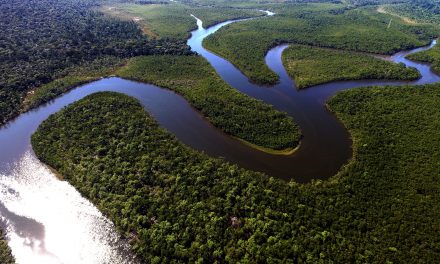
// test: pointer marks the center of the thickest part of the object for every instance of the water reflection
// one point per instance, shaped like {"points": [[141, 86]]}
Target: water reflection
{"points": [[47, 220]]}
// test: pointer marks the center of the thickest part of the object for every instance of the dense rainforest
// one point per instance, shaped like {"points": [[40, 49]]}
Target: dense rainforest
{"points": [[310, 66], [322, 25], [74, 77], [226, 108], [179, 205], [42, 39]]}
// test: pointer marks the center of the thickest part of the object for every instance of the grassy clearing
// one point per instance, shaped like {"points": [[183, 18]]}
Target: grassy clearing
{"points": [[233, 112], [212, 16], [156, 20], [311, 66], [180, 205], [386, 10], [173, 20], [334, 26]]}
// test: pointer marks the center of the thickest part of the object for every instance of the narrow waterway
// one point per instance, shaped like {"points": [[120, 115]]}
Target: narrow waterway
{"points": [[47, 220]]}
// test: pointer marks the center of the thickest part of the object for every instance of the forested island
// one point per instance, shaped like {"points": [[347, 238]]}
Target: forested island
{"points": [[175, 204], [310, 66]]}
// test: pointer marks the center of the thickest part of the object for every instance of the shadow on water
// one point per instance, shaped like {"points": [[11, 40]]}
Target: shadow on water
{"points": [[31, 231]]}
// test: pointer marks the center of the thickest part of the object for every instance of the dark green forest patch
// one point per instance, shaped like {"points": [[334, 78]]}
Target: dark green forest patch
{"points": [[310, 66], [5, 252], [41, 39], [75, 76]]}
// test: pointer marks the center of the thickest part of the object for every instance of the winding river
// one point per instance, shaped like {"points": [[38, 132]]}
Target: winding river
{"points": [[47, 220]]}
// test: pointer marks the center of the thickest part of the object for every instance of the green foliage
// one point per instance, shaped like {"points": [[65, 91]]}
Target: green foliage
{"points": [[5, 252], [40, 39], [174, 20], [431, 56], [322, 25], [226, 108], [310, 66], [255, 4], [75, 76], [212, 16], [157, 20], [396, 163], [418, 10], [178, 205], [374, 2]]}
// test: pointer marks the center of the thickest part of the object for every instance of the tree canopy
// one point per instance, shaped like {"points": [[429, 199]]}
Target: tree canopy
{"points": [[42, 39]]}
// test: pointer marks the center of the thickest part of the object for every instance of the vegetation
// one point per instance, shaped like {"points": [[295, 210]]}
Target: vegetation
{"points": [[431, 56], [255, 4], [310, 66], [5, 252], [226, 108], [323, 25], [179, 205], [213, 16], [42, 38], [173, 20], [421, 11], [77, 75], [156, 20]]}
